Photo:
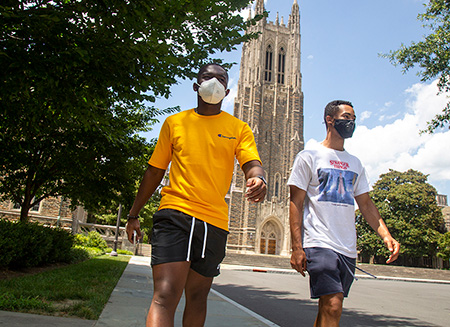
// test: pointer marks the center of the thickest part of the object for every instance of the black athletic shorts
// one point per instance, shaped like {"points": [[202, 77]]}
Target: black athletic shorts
{"points": [[177, 236], [329, 272]]}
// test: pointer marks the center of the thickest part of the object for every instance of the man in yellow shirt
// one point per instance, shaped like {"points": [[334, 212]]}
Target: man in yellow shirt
{"points": [[191, 226]]}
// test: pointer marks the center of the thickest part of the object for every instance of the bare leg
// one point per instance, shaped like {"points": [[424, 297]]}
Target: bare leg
{"points": [[169, 280], [196, 294], [330, 310]]}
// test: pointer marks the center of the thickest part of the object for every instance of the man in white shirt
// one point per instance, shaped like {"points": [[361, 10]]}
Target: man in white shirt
{"points": [[324, 184]]}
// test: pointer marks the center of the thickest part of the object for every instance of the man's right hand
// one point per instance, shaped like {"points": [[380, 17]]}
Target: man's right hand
{"points": [[131, 226], [298, 261]]}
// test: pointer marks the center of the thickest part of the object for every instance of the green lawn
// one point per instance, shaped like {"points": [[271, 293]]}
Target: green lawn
{"points": [[79, 290]]}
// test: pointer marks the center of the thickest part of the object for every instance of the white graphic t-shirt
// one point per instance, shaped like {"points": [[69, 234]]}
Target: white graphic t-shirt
{"points": [[331, 180]]}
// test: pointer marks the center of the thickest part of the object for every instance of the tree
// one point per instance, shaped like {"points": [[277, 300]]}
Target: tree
{"points": [[147, 213], [76, 81], [108, 216], [408, 206], [59, 156], [444, 246], [145, 216], [431, 54]]}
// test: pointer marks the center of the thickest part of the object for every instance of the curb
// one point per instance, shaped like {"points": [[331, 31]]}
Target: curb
{"points": [[293, 272]]}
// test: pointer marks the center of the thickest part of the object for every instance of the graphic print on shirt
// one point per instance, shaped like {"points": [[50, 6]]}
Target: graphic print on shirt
{"points": [[336, 185]]}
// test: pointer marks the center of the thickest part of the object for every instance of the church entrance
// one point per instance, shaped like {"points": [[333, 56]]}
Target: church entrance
{"points": [[269, 239]]}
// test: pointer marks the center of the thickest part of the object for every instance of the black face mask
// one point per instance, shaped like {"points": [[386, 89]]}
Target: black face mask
{"points": [[344, 127]]}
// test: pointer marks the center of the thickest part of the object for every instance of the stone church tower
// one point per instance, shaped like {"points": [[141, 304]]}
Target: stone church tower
{"points": [[270, 100]]}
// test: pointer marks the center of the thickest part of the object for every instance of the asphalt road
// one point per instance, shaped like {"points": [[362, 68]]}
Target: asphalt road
{"points": [[284, 300]]}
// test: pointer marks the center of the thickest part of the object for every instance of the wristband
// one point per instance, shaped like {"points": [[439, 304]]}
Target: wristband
{"points": [[261, 177], [132, 217]]}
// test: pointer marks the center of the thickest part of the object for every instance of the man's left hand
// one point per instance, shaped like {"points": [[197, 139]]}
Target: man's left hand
{"points": [[132, 226], [394, 247]]}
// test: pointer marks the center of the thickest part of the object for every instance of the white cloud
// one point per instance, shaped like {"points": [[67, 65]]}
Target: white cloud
{"points": [[388, 117], [387, 112], [244, 13], [399, 145], [364, 115], [310, 57], [388, 104]]}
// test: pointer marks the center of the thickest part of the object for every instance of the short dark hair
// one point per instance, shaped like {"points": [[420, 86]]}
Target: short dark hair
{"points": [[203, 68], [333, 107]]}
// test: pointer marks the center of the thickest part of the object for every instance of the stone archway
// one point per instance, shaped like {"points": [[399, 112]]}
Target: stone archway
{"points": [[270, 239]]}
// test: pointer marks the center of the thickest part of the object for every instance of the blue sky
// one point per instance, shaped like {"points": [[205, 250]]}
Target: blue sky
{"points": [[341, 43]]}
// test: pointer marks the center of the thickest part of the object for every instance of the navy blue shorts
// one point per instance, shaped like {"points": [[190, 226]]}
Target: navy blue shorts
{"points": [[177, 236], [330, 272]]}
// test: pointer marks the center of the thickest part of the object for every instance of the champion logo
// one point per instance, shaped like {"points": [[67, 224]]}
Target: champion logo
{"points": [[226, 137]]}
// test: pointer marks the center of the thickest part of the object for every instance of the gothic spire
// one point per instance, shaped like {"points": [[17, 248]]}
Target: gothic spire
{"points": [[295, 8], [260, 7], [294, 17]]}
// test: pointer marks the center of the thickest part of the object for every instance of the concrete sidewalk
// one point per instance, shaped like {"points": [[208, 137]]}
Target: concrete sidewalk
{"points": [[18, 319], [130, 300]]}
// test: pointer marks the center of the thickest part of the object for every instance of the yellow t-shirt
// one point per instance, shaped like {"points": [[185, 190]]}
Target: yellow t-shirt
{"points": [[202, 151]]}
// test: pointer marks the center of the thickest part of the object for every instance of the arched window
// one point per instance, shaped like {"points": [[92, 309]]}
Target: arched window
{"points": [[281, 65], [268, 65], [277, 184], [35, 207]]}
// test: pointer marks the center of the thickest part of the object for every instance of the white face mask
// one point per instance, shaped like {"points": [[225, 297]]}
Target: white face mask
{"points": [[212, 91]]}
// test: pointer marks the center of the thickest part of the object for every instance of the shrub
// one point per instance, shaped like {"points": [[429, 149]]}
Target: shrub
{"points": [[7, 243], [29, 244], [80, 239], [88, 246], [61, 246], [95, 240], [94, 252], [80, 253]]}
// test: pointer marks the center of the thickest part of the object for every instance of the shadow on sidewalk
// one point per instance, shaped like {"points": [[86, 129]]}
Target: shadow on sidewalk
{"points": [[295, 312]]}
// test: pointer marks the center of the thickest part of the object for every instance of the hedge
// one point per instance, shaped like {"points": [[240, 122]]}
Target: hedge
{"points": [[30, 244]]}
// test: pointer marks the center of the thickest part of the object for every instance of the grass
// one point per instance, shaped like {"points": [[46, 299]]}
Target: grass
{"points": [[79, 290]]}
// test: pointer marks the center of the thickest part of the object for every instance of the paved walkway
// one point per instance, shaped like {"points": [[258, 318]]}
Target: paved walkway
{"points": [[129, 302], [131, 297]]}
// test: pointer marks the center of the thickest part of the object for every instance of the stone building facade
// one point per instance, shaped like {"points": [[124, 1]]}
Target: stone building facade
{"points": [[443, 204], [270, 100], [48, 209]]}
